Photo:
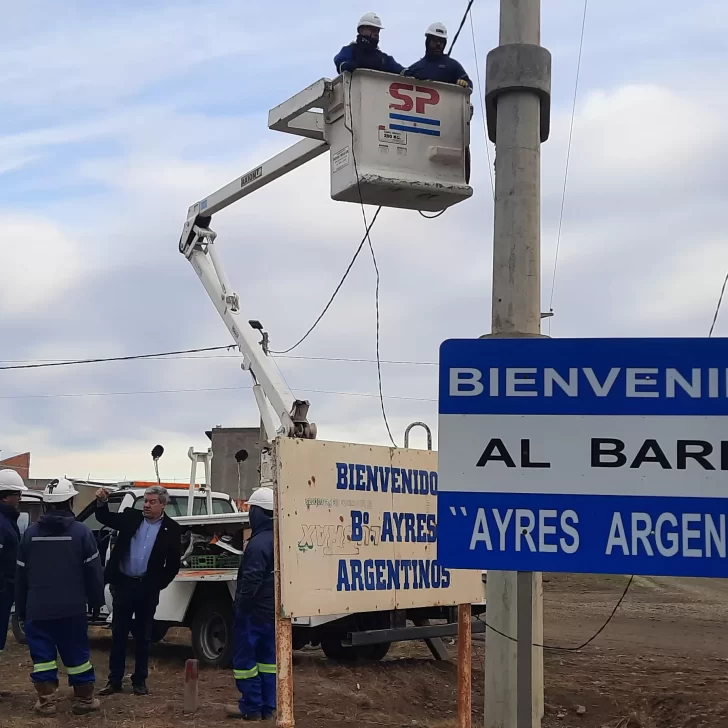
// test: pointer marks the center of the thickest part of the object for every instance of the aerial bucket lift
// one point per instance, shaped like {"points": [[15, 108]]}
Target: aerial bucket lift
{"points": [[394, 142]]}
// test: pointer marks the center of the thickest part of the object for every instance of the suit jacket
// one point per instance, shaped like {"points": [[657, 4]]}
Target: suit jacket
{"points": [[163, 561]]}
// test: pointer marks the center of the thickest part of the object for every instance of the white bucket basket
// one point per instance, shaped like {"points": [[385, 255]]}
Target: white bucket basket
{"points": [[406, 139]]}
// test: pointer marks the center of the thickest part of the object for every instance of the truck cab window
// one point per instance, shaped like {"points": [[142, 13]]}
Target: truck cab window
{"points": [[88, 516]]}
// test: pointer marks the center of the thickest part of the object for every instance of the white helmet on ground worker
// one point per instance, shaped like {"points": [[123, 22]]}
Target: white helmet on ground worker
{"points": [[59, 491], [10, 480], [437, 30], [370, 20], [263, 498]]}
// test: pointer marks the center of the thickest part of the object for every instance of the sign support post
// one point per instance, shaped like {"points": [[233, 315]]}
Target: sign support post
{"points": [[284, 632], [465, 667]]}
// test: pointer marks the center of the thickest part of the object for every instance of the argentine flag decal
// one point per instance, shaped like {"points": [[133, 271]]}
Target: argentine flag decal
{"points": [[414, 124]]}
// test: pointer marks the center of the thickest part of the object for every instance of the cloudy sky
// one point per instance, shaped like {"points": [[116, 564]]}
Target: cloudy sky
{"points": [[118, 115]]}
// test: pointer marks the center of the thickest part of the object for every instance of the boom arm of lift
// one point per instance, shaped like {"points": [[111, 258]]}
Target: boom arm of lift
{"points": [[281, 412]]}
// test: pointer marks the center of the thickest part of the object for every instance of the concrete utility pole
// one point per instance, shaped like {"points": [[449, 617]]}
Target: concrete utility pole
{"points": [[518, 87]]}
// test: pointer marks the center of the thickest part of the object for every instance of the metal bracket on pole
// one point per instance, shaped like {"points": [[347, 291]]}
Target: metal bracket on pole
{"points": [[294, 116], [518, 67]]}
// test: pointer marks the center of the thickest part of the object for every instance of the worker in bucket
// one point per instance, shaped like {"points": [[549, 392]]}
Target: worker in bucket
{"points": [[364, 52], [435, 65], [59, 578], [254, 638], [11, 489]]}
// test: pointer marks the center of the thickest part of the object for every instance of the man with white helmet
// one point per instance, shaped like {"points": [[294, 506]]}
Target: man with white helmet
{"points": [[254, 636], [364, 52], [59, 578], [11, 488], [435, 65]]}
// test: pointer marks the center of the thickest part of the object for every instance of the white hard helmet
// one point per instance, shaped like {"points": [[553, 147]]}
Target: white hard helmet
{"points": [[10, 480], [370, 20], [59, 491], [262, 497], [437, 30]]}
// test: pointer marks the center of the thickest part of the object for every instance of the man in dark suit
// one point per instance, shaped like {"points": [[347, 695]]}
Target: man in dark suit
{"points": [[144, 561]]}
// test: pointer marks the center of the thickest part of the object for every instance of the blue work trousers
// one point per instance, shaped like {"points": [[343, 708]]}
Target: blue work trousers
{"points": [[254, 664], [68, 637]]}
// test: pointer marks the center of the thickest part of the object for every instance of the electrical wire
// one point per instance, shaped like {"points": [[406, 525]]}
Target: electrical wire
{"points": [[115, 358], [298, 357], [376, 270], [361, 361], [481, 96], [432, 217], [379, 360], [568, 157], [74, 395], [718, 307], [460, 27], [558, 648], [336, 290]]}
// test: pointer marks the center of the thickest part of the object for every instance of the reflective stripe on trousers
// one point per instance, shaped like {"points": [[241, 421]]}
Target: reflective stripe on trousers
{"points": [[259, 669], [245, 674]]}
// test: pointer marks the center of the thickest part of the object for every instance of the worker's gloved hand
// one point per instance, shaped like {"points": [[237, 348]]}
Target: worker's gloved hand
{"points": [[347, 67], [463, 83]]}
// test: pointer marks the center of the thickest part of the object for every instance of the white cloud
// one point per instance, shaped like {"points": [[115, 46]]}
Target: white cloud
{"points": [[40, 262]]}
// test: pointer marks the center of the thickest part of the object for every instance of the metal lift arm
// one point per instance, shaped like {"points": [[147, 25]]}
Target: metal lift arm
{"points": [[197, 243]]}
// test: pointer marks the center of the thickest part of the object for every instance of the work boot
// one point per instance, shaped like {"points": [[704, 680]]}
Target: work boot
{"points": [[111, 689], [234, 712], [46, 703], [84, 701], [269, 716]]}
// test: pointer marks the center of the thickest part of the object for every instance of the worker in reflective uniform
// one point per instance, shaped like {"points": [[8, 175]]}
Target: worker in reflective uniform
{"points": [[254, 635], [364, 52], [435, 65], [11, 488], [59, 578]]}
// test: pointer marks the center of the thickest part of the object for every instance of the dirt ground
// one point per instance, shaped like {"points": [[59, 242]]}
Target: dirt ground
{"points": [[661, 663]]}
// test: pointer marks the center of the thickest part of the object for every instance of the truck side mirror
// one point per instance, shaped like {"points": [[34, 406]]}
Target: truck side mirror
{"points": [[157, 452], [241, 456]]}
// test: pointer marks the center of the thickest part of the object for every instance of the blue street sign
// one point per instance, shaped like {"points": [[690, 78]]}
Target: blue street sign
{"points": [[584, 455]]}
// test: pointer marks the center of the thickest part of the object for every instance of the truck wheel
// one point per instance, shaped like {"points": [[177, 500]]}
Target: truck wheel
{"points": [[378, 652], [212, 634], [18, 630], [335, 650]]}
